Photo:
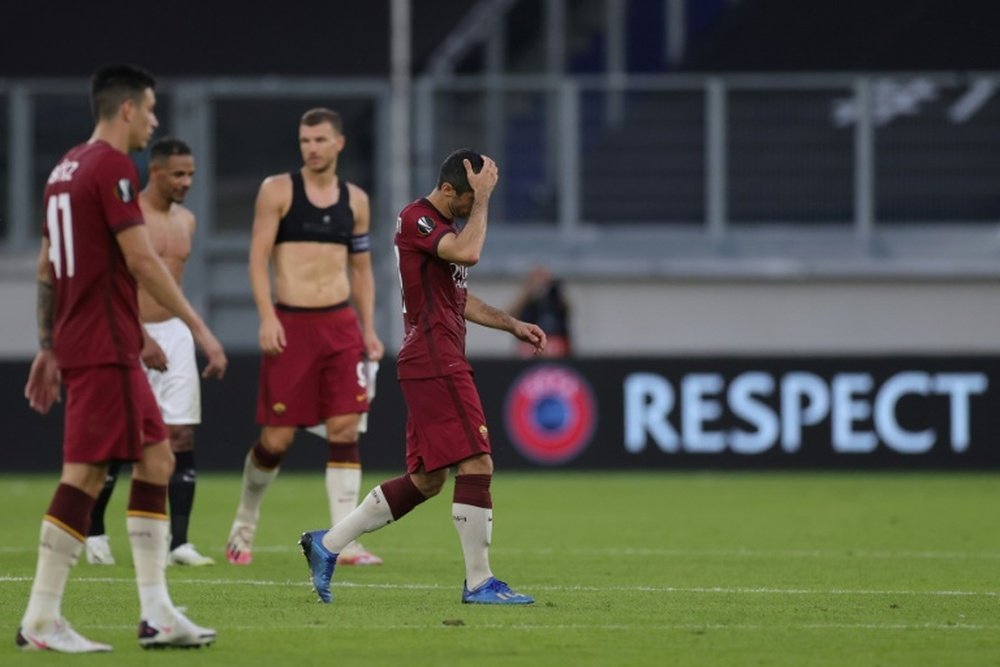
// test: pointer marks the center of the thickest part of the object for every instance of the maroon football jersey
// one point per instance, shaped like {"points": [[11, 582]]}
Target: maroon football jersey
{"points": [[91, 195], [434, 295]]}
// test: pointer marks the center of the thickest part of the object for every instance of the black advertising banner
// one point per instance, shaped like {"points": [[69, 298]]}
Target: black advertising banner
{"points": [[850, 413], [638, 413]]}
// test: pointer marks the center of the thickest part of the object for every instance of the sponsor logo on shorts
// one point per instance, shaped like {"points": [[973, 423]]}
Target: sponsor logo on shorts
{"points": [[484, 432], [550, 414], [279, 408]]}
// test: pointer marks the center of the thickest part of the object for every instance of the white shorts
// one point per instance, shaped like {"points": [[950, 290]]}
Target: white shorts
{"points": [[178, 389]]}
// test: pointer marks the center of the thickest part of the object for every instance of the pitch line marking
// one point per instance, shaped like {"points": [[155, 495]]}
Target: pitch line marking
{"points": [[873, 554], [545, 587], [684, 627]]}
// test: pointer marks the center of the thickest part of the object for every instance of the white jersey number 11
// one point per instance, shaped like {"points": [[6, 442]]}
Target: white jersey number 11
{"points": [[60, 238]]}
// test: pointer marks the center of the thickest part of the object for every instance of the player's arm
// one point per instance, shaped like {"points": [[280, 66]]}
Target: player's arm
{"points": [[152, 354], [266, 217], [154, 277], [480, 312], [189, 223], [359, 262], [42, 389], [46, 302], [465, 247]]}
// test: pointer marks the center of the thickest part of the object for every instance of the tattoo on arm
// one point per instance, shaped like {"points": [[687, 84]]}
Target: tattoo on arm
{"points": [[46, 315]]}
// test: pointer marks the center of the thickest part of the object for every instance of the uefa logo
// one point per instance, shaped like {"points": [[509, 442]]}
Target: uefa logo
{"points": [[550, 414]]}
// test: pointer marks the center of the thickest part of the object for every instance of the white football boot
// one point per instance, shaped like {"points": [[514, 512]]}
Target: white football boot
{"points": [[239, 547], [186, 554], [59, 637], [98, 549], [178, 632]]}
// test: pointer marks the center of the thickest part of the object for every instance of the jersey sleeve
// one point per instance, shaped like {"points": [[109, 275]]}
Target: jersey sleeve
{"points": [[118, 192], [422, 232]]}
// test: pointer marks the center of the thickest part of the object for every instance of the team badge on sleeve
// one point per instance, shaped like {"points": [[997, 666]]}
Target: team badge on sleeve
{"points": [[425, 226], [123, 190]]}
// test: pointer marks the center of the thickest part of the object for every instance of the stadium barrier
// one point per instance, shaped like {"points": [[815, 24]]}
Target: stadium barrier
{"points": [[914, 412]]}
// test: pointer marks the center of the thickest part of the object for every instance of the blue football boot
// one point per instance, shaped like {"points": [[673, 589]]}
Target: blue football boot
{"points": [[321, 563], [494, 591]]}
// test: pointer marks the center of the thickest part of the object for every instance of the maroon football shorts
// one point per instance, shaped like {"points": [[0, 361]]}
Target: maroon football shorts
{"points": [[111, 414], [444, 421], [321, 372]]}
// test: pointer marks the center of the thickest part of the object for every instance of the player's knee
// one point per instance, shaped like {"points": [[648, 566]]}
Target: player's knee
{"points": [[277, 440], [343, 428], [430, 484], [86, 477], [432, 490], [181, 438], [157, 464], [481, 464], [165, 465]]}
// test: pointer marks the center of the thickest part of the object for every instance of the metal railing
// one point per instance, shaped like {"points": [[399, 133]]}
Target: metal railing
{"points": [[771, 175]]}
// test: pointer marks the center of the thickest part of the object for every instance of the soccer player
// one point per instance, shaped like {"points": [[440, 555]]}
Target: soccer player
{"points": [[312, 226], [445, 424], [94, 249], [168, 352]]}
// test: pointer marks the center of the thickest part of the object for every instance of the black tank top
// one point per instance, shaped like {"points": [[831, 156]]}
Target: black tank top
{"points": [[305, 222]]}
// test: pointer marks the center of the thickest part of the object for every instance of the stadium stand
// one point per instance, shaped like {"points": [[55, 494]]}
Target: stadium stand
{"points": [[626, 186], [901, 35]]}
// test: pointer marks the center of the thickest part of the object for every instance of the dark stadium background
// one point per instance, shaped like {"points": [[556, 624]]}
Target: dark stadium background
{"points": [[351, 39]]}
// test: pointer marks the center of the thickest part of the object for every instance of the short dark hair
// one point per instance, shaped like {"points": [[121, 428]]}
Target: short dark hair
{"points": [[166, 147], [321, 115], [113, 84], [453, 169]]}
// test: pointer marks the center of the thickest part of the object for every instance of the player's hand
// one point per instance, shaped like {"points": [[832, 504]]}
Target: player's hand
{"points": [[42, 389], [483, 182], [272, 336], [374, 346], [152, 354], [217, 362], [531, 334]]}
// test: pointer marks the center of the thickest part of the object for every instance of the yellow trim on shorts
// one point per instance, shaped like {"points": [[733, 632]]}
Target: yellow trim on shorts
{"points": [[343, 464], [139, 514], [62, 526]]}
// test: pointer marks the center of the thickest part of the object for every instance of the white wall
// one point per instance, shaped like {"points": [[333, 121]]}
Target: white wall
{"points": [[18, 319], [677, 317], [770, 317]]}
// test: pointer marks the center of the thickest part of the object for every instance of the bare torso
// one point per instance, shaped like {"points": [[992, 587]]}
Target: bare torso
{"points": [[306, 273], [171, 233]]}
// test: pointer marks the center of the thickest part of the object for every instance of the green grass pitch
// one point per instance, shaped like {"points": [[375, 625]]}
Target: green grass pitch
{"points": [[628, 569]]}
